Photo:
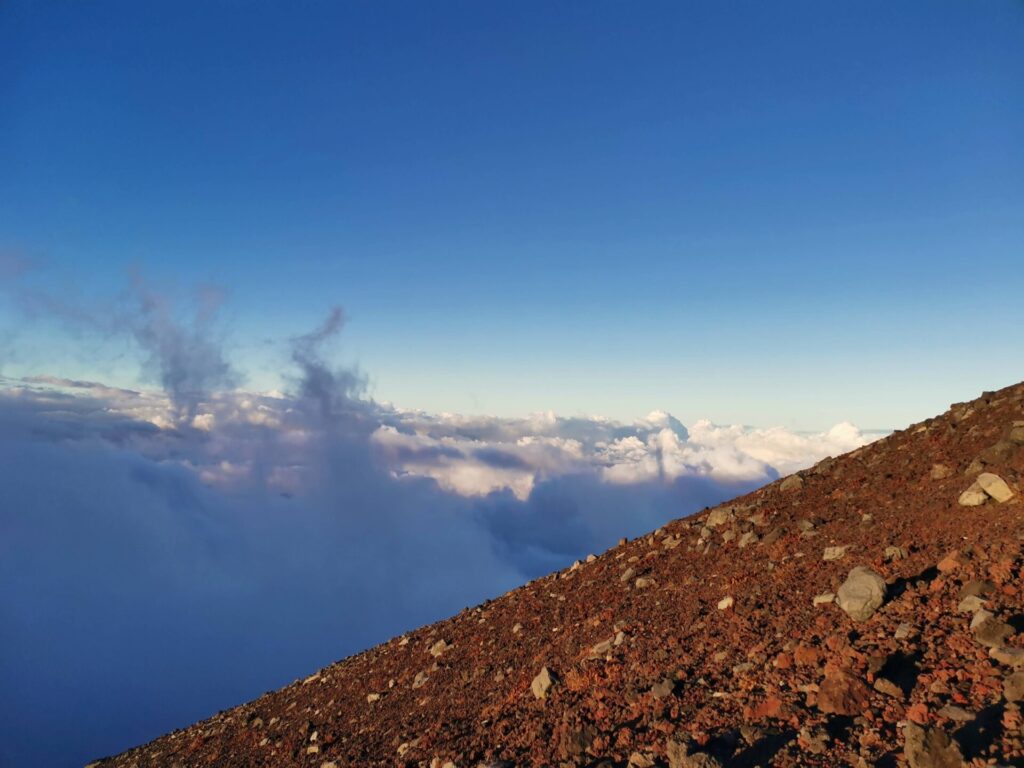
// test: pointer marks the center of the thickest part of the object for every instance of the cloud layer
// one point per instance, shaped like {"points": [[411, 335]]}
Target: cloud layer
{"points": [[167, 554], [476, 456]]}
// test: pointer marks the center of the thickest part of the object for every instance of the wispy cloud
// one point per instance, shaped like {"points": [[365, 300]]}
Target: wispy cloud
{"points": [[184, 356]]}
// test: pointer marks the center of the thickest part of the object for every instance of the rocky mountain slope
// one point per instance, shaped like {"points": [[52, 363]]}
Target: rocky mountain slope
{"points": [[866, 612]]}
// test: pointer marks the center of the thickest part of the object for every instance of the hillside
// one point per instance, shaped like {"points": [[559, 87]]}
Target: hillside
{"points": [[725, 638]]}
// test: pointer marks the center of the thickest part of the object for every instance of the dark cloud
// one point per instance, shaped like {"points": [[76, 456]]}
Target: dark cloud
{"points": [[335, 391], [499, 459], [184, 356]]}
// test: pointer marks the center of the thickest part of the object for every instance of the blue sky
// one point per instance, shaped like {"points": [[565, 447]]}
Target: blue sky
{"points": [[789, 213]]}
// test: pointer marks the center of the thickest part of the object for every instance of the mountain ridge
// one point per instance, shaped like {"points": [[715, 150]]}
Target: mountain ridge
{"points": [[865, 611]]}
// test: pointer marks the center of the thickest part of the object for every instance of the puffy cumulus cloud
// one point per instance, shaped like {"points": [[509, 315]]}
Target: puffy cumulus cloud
{"points": [[476, 456], [167, 554], [780, 448]]}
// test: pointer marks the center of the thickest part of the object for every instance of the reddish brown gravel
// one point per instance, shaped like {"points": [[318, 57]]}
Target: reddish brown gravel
{"points": [[703, 645]]}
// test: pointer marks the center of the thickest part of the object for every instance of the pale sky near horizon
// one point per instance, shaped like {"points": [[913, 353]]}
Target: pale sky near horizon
{"points": [[792, 214]]}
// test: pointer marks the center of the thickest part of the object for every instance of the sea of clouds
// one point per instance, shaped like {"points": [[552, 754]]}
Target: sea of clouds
{"points": [[167, 553]]}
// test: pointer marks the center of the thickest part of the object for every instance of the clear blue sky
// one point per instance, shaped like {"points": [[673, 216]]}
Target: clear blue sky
{"points": [[793, 212]]}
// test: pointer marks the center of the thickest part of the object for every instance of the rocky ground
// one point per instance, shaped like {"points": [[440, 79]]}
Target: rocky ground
{"points": [[865, 612]]}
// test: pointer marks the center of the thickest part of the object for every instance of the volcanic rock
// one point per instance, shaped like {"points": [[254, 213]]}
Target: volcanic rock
{"points": [[931, 748], [994, 486], [895, 553], [888, 687], [663, 688], [986, 486], [976, 588], [861, 594], [679, 756], [1013, 687], [542, 683], [719, 516], [957, 714], [990, 631], [843, 694], [791, 483], [834, 553], [1012, 657], [970, 604], [1016, 435], [974, 496], [438, 648]]}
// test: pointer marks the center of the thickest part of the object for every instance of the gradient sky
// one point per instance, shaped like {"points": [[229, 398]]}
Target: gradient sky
{"points": [[790, 213]]}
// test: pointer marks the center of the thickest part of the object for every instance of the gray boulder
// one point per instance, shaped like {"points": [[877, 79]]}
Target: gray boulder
{"points": [[994, 486], [861, 594]]}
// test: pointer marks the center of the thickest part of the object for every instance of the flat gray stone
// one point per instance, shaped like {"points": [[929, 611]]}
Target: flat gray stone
{"points": [[994, 486]]}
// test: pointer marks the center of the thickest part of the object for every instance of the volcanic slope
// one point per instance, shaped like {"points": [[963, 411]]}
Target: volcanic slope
{"points": [[867, 611]]}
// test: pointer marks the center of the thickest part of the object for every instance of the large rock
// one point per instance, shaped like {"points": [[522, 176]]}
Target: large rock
{"points": [[1017, 433], [841, 693], [747, 539], [990, 631], [970, 604], [438, 648], [994, 486], [973, 496], [986, 486], [720, 516], [861, 594], [931, 748], [679, 756], [791, 483], [976, 587], [1012, 657], [663, 688], [1013, 687]]}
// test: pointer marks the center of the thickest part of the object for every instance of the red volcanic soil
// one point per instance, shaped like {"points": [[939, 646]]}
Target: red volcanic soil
{"points": [[715, 639]]}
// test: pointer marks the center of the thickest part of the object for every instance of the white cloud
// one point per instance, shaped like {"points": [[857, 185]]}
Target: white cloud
{"points": [[472, 456], [477, 455]]}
